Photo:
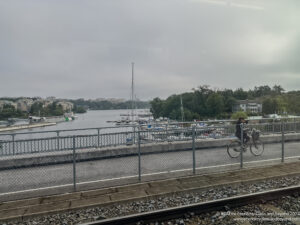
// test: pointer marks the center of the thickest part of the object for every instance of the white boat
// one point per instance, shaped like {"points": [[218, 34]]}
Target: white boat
{"points": [[69, 116]]}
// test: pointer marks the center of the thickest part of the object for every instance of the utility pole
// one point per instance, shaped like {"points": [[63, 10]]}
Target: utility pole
{"points": [[132, 92]]}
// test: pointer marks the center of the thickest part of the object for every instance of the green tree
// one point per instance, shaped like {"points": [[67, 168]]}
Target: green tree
{"points": [[156, 107], [79, 109], [9, 111], [277, 89], [262, 91], [175, 114], [238, 115], [36, 109], [229, 103], [293, 102], [282, 105], [240, 94], [215, 104], [270, 106]]}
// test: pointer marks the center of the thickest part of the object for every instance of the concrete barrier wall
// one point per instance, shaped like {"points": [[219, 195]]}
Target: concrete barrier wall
{"points": [[38, 159]]}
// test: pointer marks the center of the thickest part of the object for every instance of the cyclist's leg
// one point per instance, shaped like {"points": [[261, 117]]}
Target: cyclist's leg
{"points": [[246, 138], [254, 142], [237, 148], [238, 136]]}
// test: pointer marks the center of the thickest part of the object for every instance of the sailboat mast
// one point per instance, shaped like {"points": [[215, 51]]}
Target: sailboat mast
{"points": [[132, 92], [181, 108]]}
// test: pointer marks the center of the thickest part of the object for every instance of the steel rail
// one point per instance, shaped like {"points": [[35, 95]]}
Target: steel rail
{"points": [[198, 208]]}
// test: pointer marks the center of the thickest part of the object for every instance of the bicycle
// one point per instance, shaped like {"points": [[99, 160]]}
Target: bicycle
{"points": [[235, 147]]}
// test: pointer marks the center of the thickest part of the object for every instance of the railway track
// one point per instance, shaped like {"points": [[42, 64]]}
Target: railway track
{"points": [[199, 208]]}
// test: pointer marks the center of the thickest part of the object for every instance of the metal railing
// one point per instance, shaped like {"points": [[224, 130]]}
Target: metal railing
{"points": [[99, 139]]}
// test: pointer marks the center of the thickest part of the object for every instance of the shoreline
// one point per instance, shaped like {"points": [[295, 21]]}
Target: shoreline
{"points": [[21, 127]]}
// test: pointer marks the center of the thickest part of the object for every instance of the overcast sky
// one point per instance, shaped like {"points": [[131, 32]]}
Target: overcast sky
{"points": [[76, 48]]}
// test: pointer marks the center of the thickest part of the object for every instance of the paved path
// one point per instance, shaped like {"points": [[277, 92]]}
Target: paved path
{"points": [[62, 174]]}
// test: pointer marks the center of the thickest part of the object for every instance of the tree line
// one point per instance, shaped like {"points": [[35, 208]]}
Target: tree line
{"points": [[108, 105], [8, 111], [37, 109], [205, 102]]}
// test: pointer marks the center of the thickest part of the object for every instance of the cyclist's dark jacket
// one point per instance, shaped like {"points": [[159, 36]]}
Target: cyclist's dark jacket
{"points": [[238, 130]]}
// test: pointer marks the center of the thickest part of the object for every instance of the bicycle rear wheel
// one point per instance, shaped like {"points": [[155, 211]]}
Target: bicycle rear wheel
{"points": [[234, 149], [257, 148]]}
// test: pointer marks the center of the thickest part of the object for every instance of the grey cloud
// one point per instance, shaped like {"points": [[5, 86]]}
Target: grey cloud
{"points": [[85, 48]]}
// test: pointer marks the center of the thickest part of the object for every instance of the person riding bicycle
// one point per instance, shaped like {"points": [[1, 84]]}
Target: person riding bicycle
{"points": [[240, 121]]}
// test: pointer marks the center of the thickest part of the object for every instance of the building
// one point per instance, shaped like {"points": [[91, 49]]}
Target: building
{"points": [[252, 106], [47, 103], [66, 106], [24, 104], [5, 102]]}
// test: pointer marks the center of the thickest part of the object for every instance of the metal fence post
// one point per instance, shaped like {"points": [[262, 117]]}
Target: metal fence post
{"points": [[139, 156], [282, 141], [133, 141], [98, 137], [242, 144], [194, 155], [13, 143], [57, 134], [167, 132], [74, 164]]}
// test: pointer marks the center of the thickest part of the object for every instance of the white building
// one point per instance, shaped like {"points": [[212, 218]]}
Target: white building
{"points": [[251, 106]]}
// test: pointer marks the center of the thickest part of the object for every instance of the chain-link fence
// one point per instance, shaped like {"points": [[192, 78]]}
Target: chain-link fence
{"points": [[90, 156]]}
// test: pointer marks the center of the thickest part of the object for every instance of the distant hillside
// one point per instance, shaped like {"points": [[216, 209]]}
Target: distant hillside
{"points": [[22, 107], [205, 102], [106, 104]]}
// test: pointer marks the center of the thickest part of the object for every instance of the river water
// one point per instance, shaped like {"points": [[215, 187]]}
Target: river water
{"points": [[90, 119]]}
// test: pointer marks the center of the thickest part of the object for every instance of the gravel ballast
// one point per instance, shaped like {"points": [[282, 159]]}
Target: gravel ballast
{"points": [[167, 201]]}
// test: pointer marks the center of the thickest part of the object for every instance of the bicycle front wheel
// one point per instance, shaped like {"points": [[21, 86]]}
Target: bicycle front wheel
{"points": [[257, 148], [234, 149]]}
